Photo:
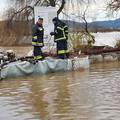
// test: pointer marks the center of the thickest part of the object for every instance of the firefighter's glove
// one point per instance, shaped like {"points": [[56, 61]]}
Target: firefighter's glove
{"points": [[52, 33]]}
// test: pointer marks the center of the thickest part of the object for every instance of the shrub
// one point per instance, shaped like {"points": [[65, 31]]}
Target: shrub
{"points": [[117, 45], [80, 40]]}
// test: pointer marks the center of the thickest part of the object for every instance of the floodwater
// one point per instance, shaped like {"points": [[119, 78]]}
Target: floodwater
{"points": [[92, 94]]}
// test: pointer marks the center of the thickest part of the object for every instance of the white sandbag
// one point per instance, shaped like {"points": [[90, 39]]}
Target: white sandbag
{"points": [[23, 68]]}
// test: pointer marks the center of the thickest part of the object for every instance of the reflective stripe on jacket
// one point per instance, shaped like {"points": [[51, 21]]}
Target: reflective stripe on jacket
{"points": [[38, 57], [61, 32], [37, 35], [37, 44], [61, 52]]}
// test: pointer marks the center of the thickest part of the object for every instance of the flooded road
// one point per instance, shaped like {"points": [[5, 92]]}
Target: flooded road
{"points": [[93, 94]]}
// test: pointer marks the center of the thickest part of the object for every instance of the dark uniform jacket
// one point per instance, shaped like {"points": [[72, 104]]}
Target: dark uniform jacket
{"points": [[37, 35], [61, 31]]}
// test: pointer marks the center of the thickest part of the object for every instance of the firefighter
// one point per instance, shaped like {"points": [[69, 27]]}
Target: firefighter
{"points": [[60, 37], [37, 39]]}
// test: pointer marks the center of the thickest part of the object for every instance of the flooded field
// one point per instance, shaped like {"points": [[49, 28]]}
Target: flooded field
{"points": [[92, 94]]}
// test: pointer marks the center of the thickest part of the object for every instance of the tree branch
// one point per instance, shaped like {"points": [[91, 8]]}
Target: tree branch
{"points": [[19, 11], [61, 7]]}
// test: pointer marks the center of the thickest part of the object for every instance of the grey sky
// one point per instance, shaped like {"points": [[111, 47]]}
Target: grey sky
{"points": [[96, 10], [2, 7]]}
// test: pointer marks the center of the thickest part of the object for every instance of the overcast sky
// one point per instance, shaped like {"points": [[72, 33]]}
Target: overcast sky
{"points": [[2, 7], [96, 10]]}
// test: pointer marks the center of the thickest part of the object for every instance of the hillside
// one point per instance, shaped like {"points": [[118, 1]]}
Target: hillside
{"points": [[110, 25]]}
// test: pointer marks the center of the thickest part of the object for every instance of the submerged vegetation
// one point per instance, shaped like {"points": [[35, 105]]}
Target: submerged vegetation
{"points": [[80, 40], [117, 44]]}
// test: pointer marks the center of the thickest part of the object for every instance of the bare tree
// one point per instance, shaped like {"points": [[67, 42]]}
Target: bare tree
{"points": [[23, 9], [81, 13], [114, 5], [85, 20]]}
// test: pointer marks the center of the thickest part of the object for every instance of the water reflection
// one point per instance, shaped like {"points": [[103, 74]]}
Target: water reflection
{"points": [[36, 99], [12, 100], [106, 91], [62, 99]]}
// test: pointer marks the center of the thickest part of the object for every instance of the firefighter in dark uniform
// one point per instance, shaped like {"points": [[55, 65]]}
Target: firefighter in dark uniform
{"points": [[37, 39], [60, 37]]}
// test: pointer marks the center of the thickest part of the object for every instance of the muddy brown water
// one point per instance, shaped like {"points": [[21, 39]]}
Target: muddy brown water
{"points": [[93, 94]]}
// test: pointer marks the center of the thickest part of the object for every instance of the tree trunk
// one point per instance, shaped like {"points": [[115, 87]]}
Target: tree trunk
{"points": [[52, 3], [61, 7]]}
